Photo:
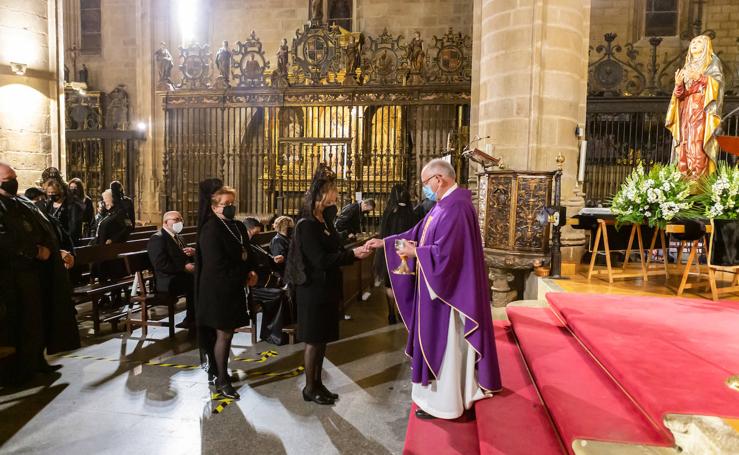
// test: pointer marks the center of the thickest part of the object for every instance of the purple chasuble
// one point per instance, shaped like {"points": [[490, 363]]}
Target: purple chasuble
{"points": [[450, 261]]}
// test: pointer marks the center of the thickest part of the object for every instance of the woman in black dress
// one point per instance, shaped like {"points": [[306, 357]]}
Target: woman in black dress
{"points": [[64, 208], [225, 270], [398, 217], [77, 189], [319, 291]]}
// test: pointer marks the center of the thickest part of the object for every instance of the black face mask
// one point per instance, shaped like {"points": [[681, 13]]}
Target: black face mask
{"points": [[290, 231], [329, 213], [54, 198], [10, 187], [229, 212]]}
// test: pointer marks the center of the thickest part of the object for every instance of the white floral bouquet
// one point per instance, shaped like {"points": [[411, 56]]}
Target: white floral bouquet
{"points": [[720, 193], [655, 197]]}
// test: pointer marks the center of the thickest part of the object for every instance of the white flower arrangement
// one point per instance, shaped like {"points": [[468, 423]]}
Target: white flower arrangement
{"points": [[720, 193], [656, 197]]}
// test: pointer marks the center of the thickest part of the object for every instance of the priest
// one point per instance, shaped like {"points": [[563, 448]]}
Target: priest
{"points": [[445, 305]]}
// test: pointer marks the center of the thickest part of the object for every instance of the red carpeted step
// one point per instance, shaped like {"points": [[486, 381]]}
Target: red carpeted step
{"points": [[671, 355], [514, 421], [583, 401], [439, 436]]}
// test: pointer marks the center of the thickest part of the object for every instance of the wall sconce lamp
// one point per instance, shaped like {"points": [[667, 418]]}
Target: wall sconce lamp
{"points": [[18, 68]]}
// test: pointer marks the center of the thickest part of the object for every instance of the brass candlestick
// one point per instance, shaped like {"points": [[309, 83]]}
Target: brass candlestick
{"points": [[403, 268]]}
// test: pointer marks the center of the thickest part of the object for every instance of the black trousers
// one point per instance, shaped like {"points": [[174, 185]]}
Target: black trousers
{"points": [[181, 284]]}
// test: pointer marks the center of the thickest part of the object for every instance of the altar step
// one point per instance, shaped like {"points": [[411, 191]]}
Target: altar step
{"points": [[513, 422], [584, 402]]}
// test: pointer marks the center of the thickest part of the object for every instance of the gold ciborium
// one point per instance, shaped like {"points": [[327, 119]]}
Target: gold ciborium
{"points": [[403, 268]]}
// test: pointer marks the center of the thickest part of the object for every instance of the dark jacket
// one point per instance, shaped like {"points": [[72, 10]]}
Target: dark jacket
{"points": [[167, 258], [279, 246], [224, 262], [115, 226], [88, 215], [127, 206], [319, 298], [349, 220], [69, 215]]}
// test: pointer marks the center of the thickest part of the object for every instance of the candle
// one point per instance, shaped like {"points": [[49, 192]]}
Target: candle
{"points": [[581, 169]]}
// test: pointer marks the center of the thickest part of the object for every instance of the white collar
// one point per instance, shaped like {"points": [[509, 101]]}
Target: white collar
{"points": [[449, 191]]}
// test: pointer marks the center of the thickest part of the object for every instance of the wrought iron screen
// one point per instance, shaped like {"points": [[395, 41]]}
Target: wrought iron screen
{"points": [[374, 108], [269, 153], [623, 132], [99, 146]]}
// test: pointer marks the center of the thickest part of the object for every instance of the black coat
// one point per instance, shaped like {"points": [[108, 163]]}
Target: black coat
{"points": [[222, 274], [127, 206], [349, 220], [319, 298], [279, 246], [114, 226], [22, 227], [167, 258], [395, 220], [69, 215]]}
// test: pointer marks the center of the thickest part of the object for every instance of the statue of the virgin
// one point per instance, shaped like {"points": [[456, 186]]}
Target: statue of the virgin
{"points": [[695, 109]]}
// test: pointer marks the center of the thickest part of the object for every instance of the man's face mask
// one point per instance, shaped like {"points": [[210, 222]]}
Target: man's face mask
{"points": [[10, 186]]}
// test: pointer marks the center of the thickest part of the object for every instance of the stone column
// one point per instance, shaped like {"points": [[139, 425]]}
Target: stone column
{"points": [[531, 84], [529, 91]]}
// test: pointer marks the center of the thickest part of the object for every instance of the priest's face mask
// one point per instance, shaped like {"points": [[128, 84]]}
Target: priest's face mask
{"points": [[431, 184]]}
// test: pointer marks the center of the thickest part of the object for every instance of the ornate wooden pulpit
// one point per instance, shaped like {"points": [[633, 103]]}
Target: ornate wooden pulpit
{"points": [[510, 208]]}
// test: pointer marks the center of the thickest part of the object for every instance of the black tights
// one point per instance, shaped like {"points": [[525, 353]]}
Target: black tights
{"points": [[221, 351], [314, 354]]}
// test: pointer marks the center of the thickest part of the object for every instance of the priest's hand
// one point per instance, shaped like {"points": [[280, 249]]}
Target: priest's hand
{"points": [[408, 250], [279, 259], [373, 244], [252, 280]]}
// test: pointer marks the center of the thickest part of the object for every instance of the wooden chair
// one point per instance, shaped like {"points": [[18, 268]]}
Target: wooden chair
{"points": [[713, 269], [139, 266]]}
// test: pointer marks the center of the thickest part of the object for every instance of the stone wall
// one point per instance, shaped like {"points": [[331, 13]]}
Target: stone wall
{"points": [[625, 18], [29, 122]]}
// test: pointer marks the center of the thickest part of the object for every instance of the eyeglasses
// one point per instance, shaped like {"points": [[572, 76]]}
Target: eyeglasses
{"points": [[423, 182]]}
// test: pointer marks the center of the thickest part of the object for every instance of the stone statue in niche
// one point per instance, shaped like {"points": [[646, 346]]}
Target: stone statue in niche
{"points": [[165, 63], [224, 58], [279, 75], [416, 59], [84, 74], [316, 12], [353, 56], [694, 112]]}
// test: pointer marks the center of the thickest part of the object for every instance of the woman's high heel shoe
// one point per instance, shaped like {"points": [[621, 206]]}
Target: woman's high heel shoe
{"points": [[227, 391], [328, 393], [317, 397]]}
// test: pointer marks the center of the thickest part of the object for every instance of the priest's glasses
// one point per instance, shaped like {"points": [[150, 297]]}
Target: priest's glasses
{"points": [[403, 268]]}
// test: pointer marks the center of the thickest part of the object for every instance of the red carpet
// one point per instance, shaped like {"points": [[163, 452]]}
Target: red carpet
{"points": [[513, 422], [584, 402], [672, 355]]}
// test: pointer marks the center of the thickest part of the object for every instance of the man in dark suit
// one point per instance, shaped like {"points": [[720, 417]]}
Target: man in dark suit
{"points": [[349, 221], [174, 263]]}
